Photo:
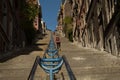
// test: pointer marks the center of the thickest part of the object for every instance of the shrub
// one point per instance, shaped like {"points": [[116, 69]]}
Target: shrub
{"points": [[68, 28], [67, 20], [29, 12], [70, 35]]}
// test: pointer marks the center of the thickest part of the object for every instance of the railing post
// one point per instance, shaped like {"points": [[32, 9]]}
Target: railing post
{"points": [[51, 75]]}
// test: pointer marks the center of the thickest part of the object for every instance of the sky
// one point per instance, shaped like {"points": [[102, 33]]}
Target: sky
{"points": [[50, 10]]}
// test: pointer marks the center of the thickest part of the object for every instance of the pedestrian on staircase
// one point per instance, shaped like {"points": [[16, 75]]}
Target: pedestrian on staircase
{"points": [[58, 42]]}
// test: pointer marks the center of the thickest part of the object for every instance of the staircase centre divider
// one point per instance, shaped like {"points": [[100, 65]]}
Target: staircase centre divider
{"points": [[51, 62]]}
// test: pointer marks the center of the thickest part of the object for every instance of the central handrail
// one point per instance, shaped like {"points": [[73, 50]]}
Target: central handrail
{"points": [[51, 64], [37, 61]]}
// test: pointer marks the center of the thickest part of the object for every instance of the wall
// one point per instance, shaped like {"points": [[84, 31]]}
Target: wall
{"points": [[95, 24]]}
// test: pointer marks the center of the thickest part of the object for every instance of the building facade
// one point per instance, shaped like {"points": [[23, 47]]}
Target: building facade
{"points": [[59, 27], [96, 24], [43, 28], [11, 35], [64, 17]]}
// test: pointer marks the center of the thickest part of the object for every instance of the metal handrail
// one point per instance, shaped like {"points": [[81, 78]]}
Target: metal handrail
{"points": [[69, 70], [51, 65], [50, 51]]}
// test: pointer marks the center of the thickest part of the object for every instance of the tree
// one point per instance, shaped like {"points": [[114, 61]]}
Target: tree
{"points": [[29, 12], [68, 29]]}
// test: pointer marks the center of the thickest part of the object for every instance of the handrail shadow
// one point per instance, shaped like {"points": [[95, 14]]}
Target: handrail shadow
{"points": [[18, 52], [32, 72]]}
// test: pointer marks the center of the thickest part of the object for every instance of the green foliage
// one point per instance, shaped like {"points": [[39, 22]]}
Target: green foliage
{"points": [[68, 28], [67, 20], [29, 12], [29, 31], [70, 34]]}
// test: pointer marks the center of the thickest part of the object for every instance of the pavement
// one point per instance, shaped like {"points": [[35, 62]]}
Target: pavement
{"points": [[18, 65], [90, 64], [86, 63]]}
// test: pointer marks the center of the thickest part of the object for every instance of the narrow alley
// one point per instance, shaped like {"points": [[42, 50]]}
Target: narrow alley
{"points": [[59, 39], [86, 63]]}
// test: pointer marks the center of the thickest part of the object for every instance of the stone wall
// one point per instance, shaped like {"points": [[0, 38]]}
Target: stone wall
{"points": [[99, 25], [95, 24]]}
